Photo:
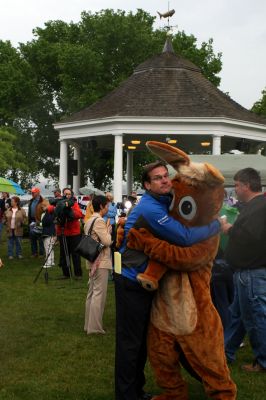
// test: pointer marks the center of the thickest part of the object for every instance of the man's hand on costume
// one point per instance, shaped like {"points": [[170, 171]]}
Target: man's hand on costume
{"points": [[225, 227], [176, 257]]}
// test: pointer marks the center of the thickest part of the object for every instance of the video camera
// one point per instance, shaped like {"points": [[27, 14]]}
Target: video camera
{"points": [[63, 210]]}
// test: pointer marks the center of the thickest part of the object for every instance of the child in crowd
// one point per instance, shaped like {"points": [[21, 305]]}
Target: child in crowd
{"points": [[48, 234]]}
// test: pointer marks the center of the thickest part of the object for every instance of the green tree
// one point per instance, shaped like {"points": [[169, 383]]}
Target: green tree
{"points": [[17, 84], [10, 158], [260, 106], [18, 90]]}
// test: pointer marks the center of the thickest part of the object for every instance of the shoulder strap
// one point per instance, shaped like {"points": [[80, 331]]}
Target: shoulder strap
{"points": [[90, 230]]}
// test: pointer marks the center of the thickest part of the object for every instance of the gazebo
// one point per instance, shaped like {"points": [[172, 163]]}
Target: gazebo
{"points": [[167, 98]]}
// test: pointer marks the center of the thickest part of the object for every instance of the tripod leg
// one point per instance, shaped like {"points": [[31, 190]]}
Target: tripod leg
{"points": [[67, 257], [43, 266], [37, 276]]}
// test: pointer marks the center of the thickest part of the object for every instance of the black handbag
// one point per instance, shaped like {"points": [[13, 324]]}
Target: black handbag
{"points": [[88, 247]]}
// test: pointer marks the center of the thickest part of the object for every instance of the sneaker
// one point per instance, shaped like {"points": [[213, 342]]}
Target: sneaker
{"points": [[255, 367], [10, 257]]}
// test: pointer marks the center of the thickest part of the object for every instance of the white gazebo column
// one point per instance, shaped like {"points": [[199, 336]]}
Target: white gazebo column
{"points": [[63, 164], [129, 171], [118, 168], [216, 145], [76, 178]]}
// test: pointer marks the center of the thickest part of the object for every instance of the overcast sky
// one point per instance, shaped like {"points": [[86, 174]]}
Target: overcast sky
{"points": [[238, 28]]}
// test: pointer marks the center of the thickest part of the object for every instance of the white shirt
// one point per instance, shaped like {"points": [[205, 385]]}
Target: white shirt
{"points": [[13, 218]]}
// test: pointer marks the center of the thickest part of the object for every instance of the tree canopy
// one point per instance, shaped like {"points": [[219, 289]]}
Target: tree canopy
{"points": [[11, 159], [260, 106], [68, 66]]}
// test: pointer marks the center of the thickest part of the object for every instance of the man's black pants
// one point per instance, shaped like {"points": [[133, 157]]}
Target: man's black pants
{"points": [[71, 243], [133, 304]]}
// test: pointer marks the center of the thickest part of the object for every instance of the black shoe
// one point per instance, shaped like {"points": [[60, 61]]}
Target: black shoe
{"points": [[255, 367], [145, 396]]}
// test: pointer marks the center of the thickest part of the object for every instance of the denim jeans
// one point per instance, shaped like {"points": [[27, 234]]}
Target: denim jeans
{"points": [[14, 241], [250, 309]]}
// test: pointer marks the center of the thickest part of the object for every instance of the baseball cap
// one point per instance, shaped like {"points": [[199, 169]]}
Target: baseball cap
{"points": [[35, 190], [57, 190]]}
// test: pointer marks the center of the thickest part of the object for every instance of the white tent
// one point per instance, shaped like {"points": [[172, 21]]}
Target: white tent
{"points": [[229, 164], [87, 190]]}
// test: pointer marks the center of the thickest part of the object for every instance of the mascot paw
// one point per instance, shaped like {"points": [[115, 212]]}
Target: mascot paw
{"points": [[120, 232], [147, 282]]}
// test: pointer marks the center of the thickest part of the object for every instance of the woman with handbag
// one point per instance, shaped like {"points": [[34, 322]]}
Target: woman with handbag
{"points": [[14, 217], [99, 269]]}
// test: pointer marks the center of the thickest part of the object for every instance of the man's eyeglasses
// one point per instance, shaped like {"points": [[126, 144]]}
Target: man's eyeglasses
{"points": [[158, 178]]}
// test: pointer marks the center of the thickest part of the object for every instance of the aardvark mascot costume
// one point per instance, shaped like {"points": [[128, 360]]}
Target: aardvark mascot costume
{"points": [[185, 326]]}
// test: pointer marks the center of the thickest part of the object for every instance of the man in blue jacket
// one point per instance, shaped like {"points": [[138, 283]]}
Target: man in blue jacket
{"points": [[133, 303]]}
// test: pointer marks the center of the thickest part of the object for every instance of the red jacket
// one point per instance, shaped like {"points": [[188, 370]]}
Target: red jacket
{"points": [[71, 228]]}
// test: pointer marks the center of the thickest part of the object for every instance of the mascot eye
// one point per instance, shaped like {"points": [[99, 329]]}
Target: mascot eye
{"points": [[187, 207]]}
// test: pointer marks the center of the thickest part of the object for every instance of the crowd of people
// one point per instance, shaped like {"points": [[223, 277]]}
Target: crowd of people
{"points": [[238, 285], [61, 219]]}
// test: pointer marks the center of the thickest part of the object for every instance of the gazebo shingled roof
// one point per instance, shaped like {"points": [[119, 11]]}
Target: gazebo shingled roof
{"points": [[166, 85]]}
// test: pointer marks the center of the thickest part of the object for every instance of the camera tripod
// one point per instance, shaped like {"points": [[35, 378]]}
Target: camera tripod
{"points": [[66, 255]]}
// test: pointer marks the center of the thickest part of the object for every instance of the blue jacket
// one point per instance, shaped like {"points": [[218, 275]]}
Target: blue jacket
{"points": [[112, 211], [155, 211], [48, 224]]}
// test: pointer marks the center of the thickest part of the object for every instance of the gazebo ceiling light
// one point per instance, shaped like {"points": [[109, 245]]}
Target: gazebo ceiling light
{"points": [[170, 141], [131, 147], [135, 141], [205, 144]]}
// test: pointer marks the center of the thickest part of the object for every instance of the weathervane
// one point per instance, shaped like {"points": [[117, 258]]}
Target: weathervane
{"points": [[167, 15]]}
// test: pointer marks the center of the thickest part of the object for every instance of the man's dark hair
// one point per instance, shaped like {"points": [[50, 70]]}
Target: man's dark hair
{"points": [[67, 188], [145, 177], [99, 201], [249, 176]]}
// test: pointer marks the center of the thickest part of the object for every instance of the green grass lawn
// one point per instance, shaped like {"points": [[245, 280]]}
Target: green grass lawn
{"points": [[44, 352]]}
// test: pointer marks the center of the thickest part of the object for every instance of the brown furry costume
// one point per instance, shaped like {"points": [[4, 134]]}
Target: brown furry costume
{"points": [[199, 194]]}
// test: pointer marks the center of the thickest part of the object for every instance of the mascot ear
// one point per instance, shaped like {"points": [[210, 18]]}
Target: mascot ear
{"points": [[213, 175], [180, 161], [170, 154]]}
